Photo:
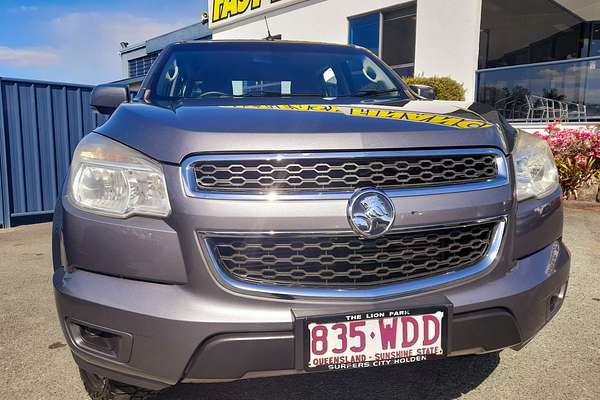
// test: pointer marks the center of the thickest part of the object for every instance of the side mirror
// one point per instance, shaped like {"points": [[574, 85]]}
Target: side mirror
{"points": [[424, 91], [106, 98]]}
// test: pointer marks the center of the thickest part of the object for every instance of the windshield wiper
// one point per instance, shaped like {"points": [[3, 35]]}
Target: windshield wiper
{"points": [[365, 93]]}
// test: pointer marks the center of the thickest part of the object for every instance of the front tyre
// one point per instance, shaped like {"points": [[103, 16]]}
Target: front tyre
{"points": [[102, 388]]}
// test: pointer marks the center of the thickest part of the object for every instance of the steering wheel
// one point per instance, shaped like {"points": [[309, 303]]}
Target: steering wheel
{"points": [[213, 93], [370, 73]]}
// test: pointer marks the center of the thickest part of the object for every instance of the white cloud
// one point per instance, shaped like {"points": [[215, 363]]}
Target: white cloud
{"points": [[28, 57], [88, 43], [24, 8]]}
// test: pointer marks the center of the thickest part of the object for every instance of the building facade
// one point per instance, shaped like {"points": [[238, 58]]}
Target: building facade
{"points": [[136, 59], [534, 60]]}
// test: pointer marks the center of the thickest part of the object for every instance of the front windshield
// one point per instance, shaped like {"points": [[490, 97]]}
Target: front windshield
{"points": [[271, 70]]}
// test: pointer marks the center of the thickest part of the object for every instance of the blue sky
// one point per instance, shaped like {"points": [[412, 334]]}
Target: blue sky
{"points": [[78, 41]]}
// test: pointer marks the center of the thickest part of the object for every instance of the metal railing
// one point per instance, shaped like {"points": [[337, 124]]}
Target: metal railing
{"points": [[566, 90]]}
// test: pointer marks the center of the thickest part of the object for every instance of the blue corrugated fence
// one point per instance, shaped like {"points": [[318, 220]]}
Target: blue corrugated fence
{"points": [[40, 125]]}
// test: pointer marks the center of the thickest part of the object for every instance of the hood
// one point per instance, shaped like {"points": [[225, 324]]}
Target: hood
{"points": [[172, 131]]}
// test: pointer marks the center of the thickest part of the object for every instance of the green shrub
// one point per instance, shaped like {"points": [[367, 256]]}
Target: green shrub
{"points": [[445, 87]]}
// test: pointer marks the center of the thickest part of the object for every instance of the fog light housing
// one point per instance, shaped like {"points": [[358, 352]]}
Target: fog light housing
{"points": [[556, 300], [101, 341]]}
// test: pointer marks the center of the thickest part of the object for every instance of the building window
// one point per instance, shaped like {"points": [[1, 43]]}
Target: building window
{"points": [[543, 71], [140, 66], [566, 90], [364, 31], [595, 40], [508, 36], [390, 34], [399, 36]]}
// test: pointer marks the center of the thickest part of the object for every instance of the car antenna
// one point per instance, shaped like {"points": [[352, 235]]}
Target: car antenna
{"points": [[269, 37]]}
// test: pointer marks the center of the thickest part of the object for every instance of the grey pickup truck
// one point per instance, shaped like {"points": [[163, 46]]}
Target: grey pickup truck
{"points": [[264, 208]]}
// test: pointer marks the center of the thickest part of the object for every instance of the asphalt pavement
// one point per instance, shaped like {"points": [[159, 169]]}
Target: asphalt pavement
{"points": [[563, 361]]}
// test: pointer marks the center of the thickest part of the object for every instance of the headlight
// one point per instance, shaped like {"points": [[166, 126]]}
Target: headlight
{"points": [[534, 167], [111, 179]]}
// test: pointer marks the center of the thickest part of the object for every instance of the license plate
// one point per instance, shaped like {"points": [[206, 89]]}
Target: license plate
{"points": [[375, 339]]}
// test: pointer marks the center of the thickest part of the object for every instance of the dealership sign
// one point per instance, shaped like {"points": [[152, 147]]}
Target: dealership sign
{"points": [[223, 12]]}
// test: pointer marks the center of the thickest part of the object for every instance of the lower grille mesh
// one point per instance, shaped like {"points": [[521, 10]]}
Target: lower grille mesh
{"points": [[348, 261]]}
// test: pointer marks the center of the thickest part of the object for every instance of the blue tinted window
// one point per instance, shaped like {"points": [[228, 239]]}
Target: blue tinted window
{"points": [[270, 69], [364, 31]]}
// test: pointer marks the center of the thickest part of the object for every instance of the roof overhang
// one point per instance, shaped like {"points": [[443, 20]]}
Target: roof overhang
{"points": [[190, 32], [588, 10]]}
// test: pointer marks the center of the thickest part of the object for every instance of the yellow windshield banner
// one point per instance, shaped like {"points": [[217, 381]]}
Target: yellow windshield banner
{"points": [[382, 113]]}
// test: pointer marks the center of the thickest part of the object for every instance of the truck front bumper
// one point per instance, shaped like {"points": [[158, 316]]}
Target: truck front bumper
{"points": [[155, 335]]}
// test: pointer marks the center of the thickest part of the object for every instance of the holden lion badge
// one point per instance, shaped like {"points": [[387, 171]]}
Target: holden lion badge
{"points": [[370, 213]]}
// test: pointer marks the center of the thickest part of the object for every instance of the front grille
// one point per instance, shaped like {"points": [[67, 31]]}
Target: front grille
{"points": [[327, 172], [348, 261]]}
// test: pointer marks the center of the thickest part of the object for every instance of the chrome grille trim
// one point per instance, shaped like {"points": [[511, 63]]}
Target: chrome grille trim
{"points": [[192, 190], [371, 292]]}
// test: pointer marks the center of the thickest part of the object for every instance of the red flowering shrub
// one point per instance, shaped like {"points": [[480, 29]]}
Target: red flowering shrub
{"points": [[577, 155]]}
